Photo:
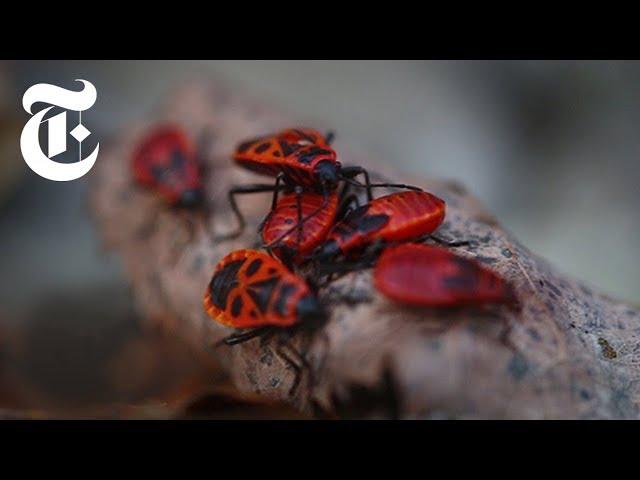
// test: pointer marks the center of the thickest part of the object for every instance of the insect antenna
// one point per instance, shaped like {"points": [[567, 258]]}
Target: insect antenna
{"points": [[355, 183], [330, 137], [350, 181]]}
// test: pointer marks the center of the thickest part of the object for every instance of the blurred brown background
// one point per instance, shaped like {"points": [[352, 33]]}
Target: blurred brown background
{"points": [[550, 147]]}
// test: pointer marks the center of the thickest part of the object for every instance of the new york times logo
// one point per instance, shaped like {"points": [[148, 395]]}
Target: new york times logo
{"points": [[57, 131]]}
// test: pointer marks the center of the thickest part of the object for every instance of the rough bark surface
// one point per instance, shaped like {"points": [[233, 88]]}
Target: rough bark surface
{"points": [[570, 352]]}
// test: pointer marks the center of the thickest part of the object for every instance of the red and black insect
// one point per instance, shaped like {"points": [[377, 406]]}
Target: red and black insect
{"points": [[398, 217], [297, 246], [258, 295], [303, 157], [166, 161], [426, 276], [250, 289], [301, 160]]}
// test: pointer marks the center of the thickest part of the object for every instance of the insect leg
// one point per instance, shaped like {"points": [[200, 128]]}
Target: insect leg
{"points": [[345, 201], [298, 363], [344, 192], [346, 206], [236, 338], [240, 190], [350, 172], [329, 137], [274, 200]]}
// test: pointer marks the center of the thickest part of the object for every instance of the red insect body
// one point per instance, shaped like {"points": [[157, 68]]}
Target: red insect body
{"points": [[252, 289], [314, 231], [426, 276], [396, 217], [165, 161], [297, 153]]}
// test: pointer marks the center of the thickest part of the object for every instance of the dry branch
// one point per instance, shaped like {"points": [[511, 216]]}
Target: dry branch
{"points": [[571, 352]]}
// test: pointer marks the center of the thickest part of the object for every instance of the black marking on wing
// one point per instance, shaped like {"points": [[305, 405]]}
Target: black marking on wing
{"points": [[359, 222], [236, 306], [263, 147], [253, 267], [284, 294], [460, 283], [260, 292], [372, 223], [289, 148], [465, 278], [244, 146], [223, 282]]}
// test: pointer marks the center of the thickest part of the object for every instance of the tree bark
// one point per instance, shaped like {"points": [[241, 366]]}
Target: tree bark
{"points": [[567, 352]]}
